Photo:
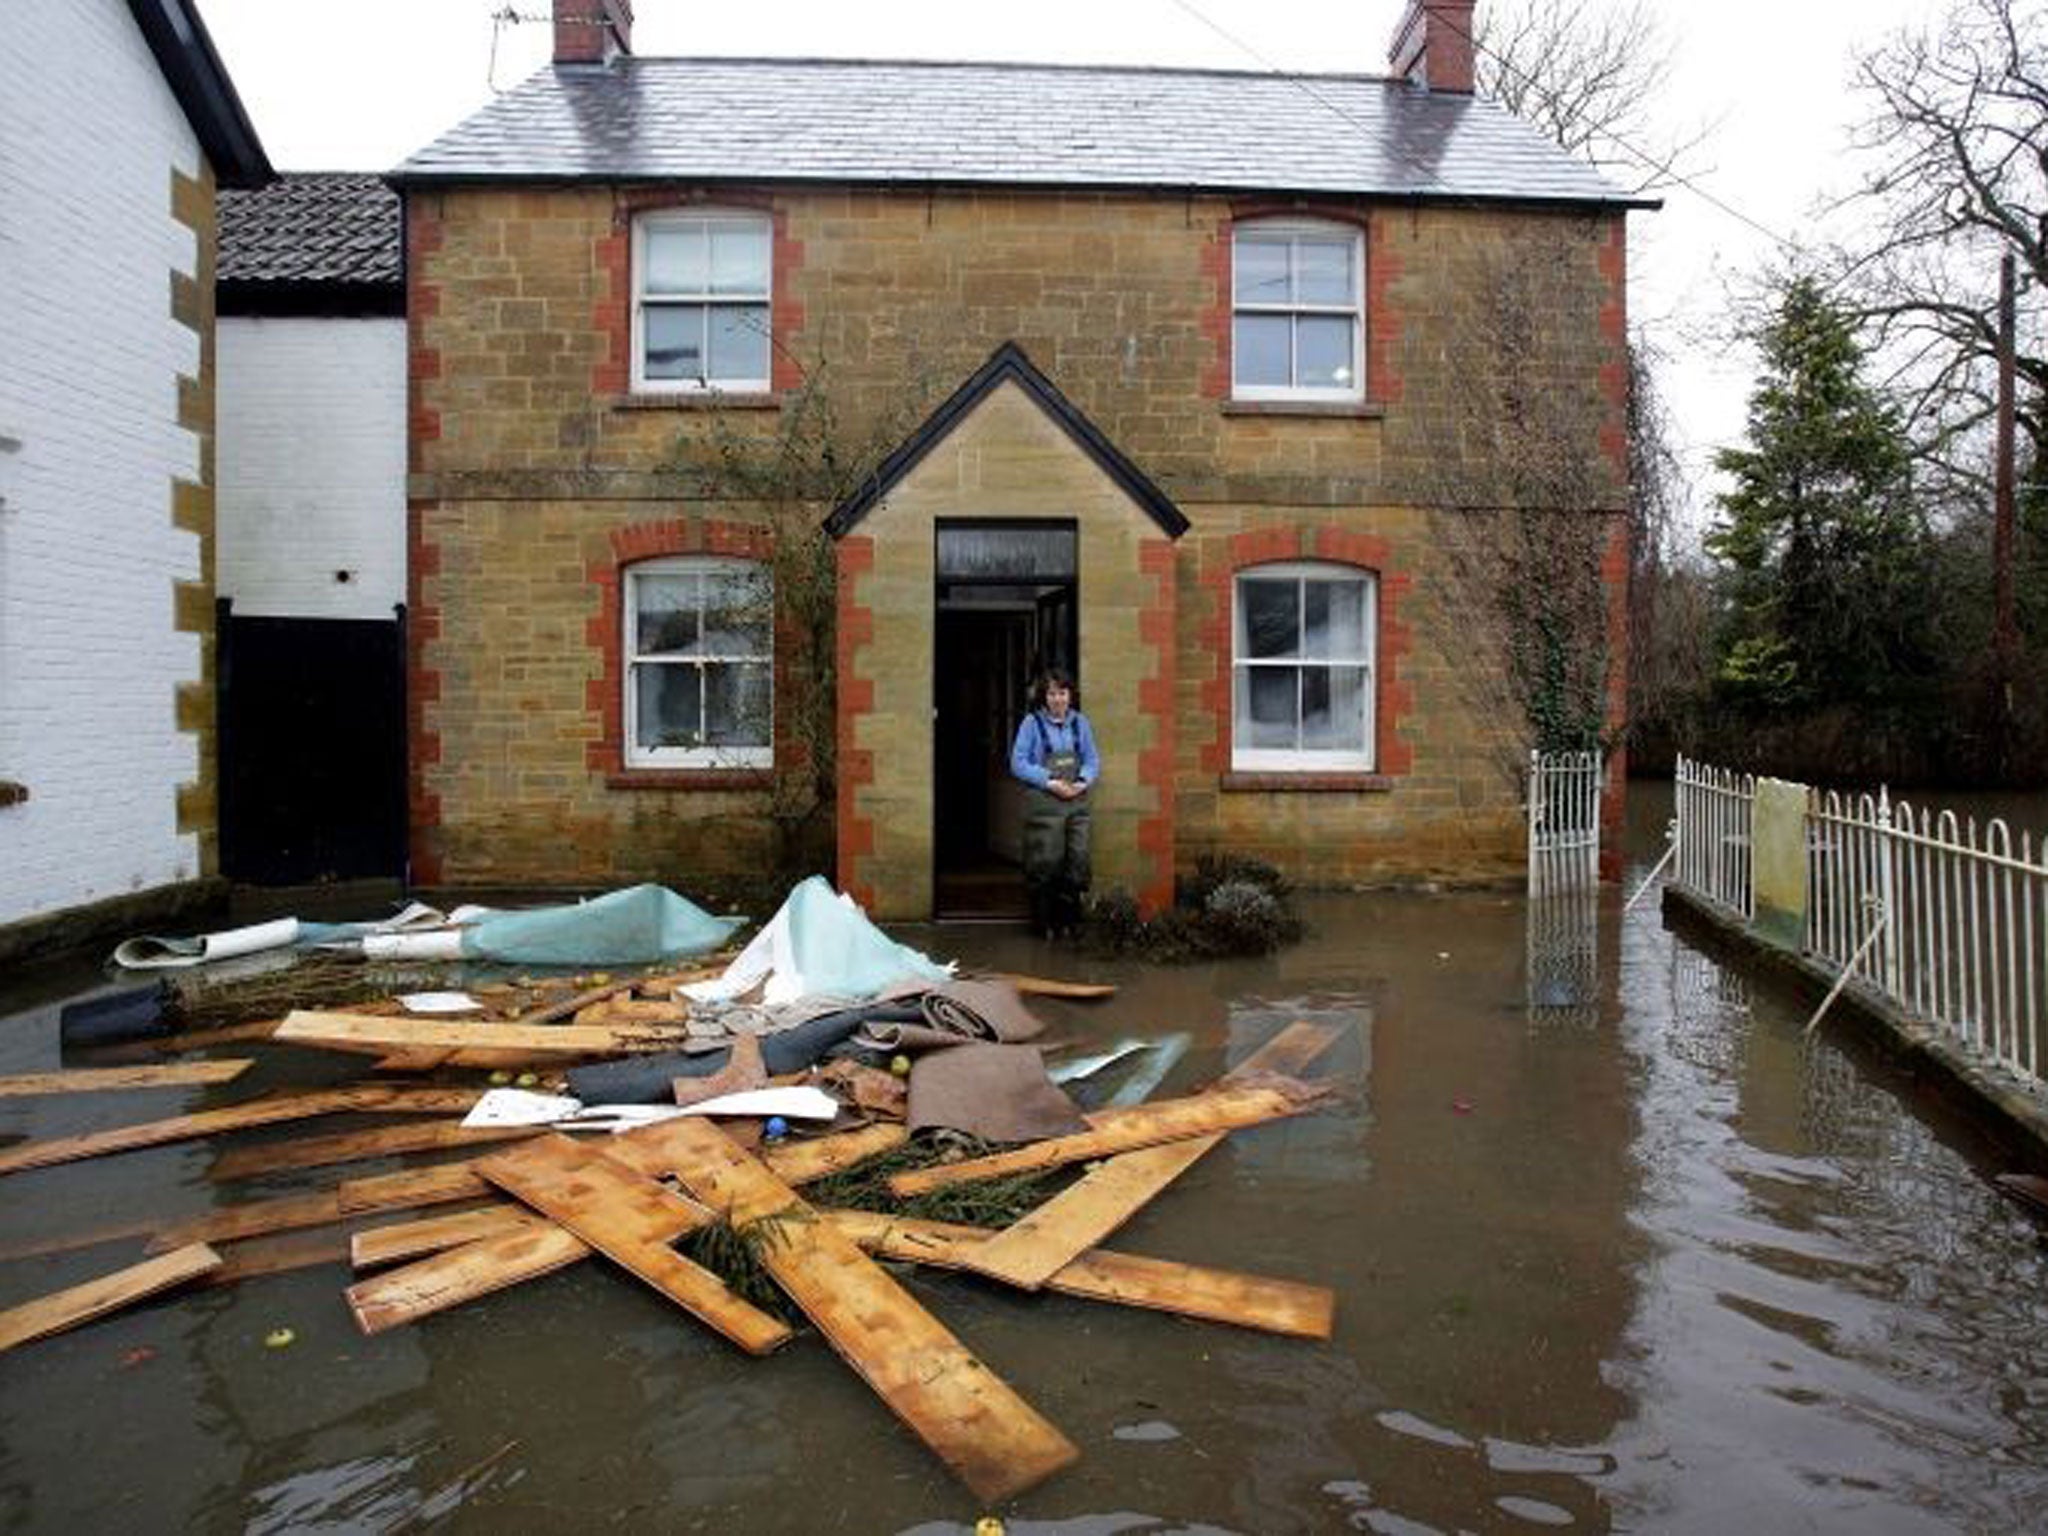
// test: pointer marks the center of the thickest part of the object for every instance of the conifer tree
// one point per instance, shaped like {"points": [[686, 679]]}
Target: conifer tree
{"points": [[1828, 597]]}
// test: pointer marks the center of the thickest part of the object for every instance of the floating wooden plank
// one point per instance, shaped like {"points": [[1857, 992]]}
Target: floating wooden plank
{"points": [[227, 1034], [1291, 1052], [110, 1079], [1042, 1242], [794, 1162], [405, 1190], [1045, 986], [91, 1237], [801, 1162], [276, 1255], [404, 1099], [398, 1241], [462, 1273], [252, 1218], [95, 1298], [429, 1060], [1203, 1114], [624, 1012], [354, 1146], [374, 1035], [994, 1441], [1037, 1246], [412, 1187], [1161, 1285], [632, 1221], [153, 1133]]}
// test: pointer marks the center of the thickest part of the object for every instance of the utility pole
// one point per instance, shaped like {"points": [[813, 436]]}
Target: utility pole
{"points": [[2004, 625]]}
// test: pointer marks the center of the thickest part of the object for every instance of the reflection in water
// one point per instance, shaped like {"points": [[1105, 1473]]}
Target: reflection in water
{"points": [[1841, 1326], [1564, 959]]}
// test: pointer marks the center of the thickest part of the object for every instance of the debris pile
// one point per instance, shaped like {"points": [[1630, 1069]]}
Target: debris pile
{"points": [[789, 1113]]}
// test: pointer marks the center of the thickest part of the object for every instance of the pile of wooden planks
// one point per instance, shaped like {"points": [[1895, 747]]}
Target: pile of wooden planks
{"points": [[523, 1202], [631, 1198]]}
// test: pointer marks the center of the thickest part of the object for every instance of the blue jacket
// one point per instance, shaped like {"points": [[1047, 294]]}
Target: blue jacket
{"points": [[1038, 737]]}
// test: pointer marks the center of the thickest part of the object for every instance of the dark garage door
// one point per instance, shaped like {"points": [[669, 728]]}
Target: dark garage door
{"points": [[312, 741]]}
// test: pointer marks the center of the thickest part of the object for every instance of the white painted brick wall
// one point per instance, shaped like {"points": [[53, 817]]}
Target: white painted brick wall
{"points": [[89, 362], [310, 452]]}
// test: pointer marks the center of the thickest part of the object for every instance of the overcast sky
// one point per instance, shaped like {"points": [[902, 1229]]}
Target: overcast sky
{"points": [[360, 84]]}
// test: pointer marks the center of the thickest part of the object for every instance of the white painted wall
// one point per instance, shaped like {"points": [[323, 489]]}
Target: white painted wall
{"points": [[310, 451], [89, 362]]}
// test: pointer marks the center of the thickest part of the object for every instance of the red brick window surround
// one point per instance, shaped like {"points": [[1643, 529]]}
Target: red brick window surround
{"points": [[674, 551], [1337, 552], [718, 278], [1290, 316]]}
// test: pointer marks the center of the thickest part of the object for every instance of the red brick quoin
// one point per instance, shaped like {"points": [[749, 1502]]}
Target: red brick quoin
{"points": [[1392, 754], [424, 236], [613, 256], [605, 694], [422, 691], [855, 766], [1156, 703]]}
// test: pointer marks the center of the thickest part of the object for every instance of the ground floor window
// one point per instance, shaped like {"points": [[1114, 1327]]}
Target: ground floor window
{"points": [[700, 664], [1302, 668]]}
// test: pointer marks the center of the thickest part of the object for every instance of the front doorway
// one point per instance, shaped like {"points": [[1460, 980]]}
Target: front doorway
{"points": [[1006, 603]]}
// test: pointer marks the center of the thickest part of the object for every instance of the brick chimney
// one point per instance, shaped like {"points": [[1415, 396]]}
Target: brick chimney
{"points": [[592, 31], [1432, 45]]}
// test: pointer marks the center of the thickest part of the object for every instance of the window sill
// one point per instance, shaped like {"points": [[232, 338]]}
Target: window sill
{"points": [[1311, 783], [1354, 410], [12, 793], [691, 778], [697, 400]]}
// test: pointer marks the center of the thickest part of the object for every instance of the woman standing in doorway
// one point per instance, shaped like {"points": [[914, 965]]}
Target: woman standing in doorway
{"points": [[1054, 754]]}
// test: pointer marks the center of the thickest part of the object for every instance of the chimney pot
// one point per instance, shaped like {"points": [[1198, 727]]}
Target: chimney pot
{"points": [[592, 31], [1433, 45]]}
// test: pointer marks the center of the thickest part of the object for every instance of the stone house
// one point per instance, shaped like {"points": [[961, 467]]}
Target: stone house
{"points": [[123, 123], [1171, 375]]}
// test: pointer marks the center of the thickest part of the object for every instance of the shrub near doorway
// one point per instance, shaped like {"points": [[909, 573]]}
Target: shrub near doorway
{"points": [[1232, 906]]}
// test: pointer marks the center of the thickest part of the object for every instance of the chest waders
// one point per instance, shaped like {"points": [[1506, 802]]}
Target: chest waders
{"points": [[1056, 868]]}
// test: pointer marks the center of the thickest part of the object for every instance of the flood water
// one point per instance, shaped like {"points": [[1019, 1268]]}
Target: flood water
{"points": [[1615, 1249]]}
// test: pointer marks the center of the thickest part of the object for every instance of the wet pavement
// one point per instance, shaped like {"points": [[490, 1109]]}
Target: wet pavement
{"points": [[1616, 1249]]}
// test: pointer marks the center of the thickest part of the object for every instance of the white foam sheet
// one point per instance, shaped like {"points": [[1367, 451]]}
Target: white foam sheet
{"points": [[519, 1106], [153, 953], [436, 944], [818, 941]]}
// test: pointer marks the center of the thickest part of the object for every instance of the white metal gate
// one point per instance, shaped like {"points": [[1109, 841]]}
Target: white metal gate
{"points": [[1564, 821]]}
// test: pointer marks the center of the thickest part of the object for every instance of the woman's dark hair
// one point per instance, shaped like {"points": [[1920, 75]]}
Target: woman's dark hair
{"points": [[1048, 677]]}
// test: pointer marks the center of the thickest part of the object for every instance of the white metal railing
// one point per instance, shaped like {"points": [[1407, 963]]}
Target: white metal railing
{"points": [[1713, 808], [1946, 917], [1564, 821]]}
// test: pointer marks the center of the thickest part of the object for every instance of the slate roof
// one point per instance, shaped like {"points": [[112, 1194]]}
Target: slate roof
{"points": [[312, 241], [1009, 125]]}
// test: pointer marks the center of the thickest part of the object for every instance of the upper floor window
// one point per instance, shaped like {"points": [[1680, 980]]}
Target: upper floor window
{"points": [[1297, 315], [1302, 668], [701, 289], [700, 664]]}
